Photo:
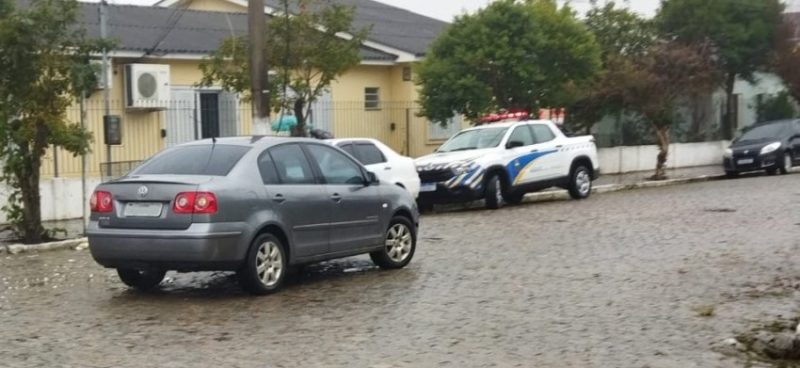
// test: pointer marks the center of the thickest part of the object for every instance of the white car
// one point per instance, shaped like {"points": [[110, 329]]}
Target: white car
{"points": [[388, 165], [500, 162]]}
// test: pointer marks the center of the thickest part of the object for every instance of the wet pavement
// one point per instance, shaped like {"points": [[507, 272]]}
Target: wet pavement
{"points": [[619, 280]]}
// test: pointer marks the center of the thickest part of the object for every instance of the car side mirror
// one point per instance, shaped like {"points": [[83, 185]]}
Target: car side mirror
{"points": [[372, 179], [514, 144]]}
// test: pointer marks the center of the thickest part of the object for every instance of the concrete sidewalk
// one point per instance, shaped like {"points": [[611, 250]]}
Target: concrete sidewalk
{"points": [[643, 176]]}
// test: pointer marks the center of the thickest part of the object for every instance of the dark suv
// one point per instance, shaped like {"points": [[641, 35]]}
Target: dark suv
{"points": [[252, 205]]}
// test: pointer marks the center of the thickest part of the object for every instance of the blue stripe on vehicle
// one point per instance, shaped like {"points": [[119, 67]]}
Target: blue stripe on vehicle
{"points": [[521, 164]]}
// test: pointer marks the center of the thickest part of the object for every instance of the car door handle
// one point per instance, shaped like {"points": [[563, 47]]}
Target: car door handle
{"points": [[559, 146], [534, 150], [279, 198], [387, 168], [336, 197]]}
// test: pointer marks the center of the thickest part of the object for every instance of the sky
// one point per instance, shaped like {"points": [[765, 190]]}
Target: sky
{"points": [[447, 9]]}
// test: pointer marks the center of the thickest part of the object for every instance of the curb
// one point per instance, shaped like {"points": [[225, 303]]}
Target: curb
{"points": [[76, 244], [611, 188]]}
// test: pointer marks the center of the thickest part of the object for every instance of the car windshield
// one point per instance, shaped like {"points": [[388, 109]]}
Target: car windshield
{"points": [[763, 132], [207, 159], [474, 139]]}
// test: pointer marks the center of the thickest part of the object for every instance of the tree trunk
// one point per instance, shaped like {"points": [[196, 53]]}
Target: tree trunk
{"points": [[663, 153], [299, 130], [28, 177], [728, 124]]}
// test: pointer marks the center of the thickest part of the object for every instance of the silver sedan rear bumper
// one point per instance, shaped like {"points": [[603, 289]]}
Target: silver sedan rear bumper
{"points": [[218, 246]]}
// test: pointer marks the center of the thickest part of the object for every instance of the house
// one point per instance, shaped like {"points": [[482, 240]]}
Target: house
{"points": [[169, 41]]}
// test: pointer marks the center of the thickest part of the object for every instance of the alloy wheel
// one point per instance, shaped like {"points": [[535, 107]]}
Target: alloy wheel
{"points": [[398, 242], [269, 263]]}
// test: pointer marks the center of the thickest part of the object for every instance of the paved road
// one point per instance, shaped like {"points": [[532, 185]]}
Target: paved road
{"points": [[614, 281]]}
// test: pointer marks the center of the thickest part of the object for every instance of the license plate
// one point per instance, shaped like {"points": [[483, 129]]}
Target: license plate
{"points": [[143, 209], [427, 187], [745, 161]]}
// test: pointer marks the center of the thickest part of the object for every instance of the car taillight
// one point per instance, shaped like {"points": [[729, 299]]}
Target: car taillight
{"points": [[195, 202], [101, 201]]}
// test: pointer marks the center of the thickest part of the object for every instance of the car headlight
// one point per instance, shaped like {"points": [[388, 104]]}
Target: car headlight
{"points": [[728, 153], [772, 147]]}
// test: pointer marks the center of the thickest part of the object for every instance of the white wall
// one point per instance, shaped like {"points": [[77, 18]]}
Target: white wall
{"points": [[61, 198], [618, 160]]}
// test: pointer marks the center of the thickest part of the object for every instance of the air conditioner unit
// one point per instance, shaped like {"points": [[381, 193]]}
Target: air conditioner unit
{"points": [[146, 86]]}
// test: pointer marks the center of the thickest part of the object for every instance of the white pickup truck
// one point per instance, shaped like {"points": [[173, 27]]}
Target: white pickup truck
{"points": [[501, 162]]}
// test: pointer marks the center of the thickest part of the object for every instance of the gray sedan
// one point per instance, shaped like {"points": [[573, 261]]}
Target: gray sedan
{"points": [[256, 206]]}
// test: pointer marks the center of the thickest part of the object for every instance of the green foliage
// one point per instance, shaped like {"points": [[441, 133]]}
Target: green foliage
{"points": [[619, 31], [524, 54], [741, 31], [786, 57], [776, 107], [305, 55], [623, 36], [44, 64]]}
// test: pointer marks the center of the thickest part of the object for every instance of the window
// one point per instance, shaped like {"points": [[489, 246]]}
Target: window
{"points": [[269, 174], [202, 159], [348, 147], [368, 154], [292, 165], [474, 139], [522, 134], [372, 98], [336, 168], [542, 133], [437, 132]]}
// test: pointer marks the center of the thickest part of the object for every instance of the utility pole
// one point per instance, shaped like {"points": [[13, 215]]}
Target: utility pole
{"points": [[106, 89], [259, 80]]}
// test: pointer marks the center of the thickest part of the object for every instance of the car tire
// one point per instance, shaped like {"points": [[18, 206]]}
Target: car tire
{"points": [[142, 280], [493, 193], [771, 171], [265, 267], [400, 243], [514, 197], [580, 182], [731, 174], [786, 163]]}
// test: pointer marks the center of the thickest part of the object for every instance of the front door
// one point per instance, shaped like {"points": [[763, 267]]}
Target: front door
{"points": [[209, 115], [355, 220], [297, 199]]}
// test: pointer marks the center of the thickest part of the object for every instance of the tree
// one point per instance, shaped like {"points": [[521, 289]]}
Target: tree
{"points": [[305, 52], [512, 54], [741, 31], [660, 81], [786, 57], [622, 35], [44, 63]]}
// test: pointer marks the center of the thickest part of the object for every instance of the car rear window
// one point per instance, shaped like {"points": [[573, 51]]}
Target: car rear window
{"points": [[369, 154], [207, 159]]}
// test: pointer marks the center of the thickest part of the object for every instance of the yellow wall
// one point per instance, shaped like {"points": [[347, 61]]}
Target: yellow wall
{"points": [[396, 123]]}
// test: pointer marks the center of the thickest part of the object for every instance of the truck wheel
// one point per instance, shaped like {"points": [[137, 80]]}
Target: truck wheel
{"points": [[580, 182], [493, 194], [142, 280]]}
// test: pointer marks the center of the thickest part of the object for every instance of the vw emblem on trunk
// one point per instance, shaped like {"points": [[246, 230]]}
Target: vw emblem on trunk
{"points": [[746, 151], [143, 191]]}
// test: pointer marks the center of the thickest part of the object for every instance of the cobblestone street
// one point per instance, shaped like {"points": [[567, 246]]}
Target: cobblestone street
{"points": [[613, 281]]}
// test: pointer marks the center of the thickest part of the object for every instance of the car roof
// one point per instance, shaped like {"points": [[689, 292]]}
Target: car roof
{"points": [[250, 141], [508, 124], [355, 140]]}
